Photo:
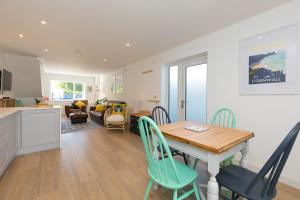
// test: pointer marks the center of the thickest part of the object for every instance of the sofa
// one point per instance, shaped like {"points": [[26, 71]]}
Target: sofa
{"points": [[70, 108], [98, 116]]}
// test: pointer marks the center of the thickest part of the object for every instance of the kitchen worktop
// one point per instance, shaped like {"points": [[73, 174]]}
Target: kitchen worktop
{"points": [[10, 110]]}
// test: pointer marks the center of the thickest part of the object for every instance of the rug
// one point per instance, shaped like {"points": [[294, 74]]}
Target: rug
{"points": [[68, 127]]}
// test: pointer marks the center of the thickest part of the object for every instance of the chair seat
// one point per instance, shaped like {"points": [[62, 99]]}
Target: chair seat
{"points": [[115, 118], [237, 179], [187, 175]]}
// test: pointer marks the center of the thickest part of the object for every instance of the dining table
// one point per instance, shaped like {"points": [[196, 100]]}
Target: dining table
{"points": [[213, 145]]}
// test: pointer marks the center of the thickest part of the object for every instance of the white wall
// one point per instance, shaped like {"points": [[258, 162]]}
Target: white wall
{"points": [[89, 81], [26, 79], [269, 116]]}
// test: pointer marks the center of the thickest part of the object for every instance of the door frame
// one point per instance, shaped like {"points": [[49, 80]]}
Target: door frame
{"points": [[181, 83]]}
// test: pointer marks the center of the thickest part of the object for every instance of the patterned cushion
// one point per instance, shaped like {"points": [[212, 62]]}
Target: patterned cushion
{"points": [[118, 108]]}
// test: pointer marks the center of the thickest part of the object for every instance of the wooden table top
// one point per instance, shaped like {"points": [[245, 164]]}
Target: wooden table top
{"points": [[141, 114], [215, 139]]}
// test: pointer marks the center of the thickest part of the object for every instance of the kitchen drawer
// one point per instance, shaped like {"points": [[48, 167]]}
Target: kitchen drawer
{"points": [[3, 150]]}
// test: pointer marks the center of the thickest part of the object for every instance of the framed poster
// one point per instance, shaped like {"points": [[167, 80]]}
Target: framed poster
{"points": [[268, 62]]}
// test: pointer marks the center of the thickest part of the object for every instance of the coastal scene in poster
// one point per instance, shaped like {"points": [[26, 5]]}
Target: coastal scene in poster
{"points": [[267, 68]]}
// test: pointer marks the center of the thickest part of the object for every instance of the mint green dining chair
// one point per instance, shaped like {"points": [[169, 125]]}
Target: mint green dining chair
{"points": [[224, 117], [165, 171]]}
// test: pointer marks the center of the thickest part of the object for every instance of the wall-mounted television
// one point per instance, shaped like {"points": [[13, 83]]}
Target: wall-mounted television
{"points": [[5, 80]]}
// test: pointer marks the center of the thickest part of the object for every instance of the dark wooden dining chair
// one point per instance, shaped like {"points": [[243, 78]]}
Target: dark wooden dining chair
{"points": [[161, 117], [262, 185]]}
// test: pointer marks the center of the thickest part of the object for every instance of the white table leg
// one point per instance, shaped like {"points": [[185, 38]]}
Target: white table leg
{"points": [[213, 186], [244, 151]]}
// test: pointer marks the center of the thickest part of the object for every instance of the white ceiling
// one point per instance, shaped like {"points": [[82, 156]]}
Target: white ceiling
{"points": [[101, 28]]}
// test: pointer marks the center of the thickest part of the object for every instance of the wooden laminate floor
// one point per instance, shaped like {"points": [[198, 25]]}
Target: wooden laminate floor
{"points": [[92, 164]]}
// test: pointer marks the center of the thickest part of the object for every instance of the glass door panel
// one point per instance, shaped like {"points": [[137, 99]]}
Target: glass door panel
{"points": [[173, 92], [195, 93]]}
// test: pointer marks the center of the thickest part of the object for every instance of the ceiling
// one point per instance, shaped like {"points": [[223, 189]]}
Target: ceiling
{"points": [[80, 34]]}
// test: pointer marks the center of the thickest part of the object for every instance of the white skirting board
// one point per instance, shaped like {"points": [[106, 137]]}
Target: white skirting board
{"points": [[38, 148]]}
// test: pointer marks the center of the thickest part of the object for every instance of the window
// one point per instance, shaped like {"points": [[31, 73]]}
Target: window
{"points": [[67, 90]]}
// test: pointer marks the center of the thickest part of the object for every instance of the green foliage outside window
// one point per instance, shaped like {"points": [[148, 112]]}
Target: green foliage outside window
{"points": [[70, 90]]}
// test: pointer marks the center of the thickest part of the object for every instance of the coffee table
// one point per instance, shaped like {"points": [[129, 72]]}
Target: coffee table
{"points": [[78, 117]]}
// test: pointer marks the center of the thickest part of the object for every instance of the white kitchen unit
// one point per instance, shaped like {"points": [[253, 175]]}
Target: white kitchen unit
{"points": [[27, 130], [40, 130], [8, 140]]}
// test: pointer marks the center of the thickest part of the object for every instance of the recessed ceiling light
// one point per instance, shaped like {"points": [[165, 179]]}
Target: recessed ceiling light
{"points": [[105, 60], [259, 37], [43, 22], [21, 35], [127, 44], [46, 50]]}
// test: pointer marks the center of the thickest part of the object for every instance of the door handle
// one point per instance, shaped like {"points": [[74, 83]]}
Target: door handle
{"points": [[182, 103]]}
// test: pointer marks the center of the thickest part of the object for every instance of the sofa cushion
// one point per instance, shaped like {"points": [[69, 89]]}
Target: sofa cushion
{"points": [[115, 118], [80, 104], [100, 107], [74, 106]]}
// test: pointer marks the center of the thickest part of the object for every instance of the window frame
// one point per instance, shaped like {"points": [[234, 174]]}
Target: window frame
{"points": [[73, 91]]}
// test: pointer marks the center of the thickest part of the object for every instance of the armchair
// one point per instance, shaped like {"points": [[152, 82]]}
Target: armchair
{"points": [[98, 116], [115, 121], [70, 108]]}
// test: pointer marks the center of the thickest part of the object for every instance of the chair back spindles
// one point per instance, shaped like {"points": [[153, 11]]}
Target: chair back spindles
{"points": [[275, 164], [164, 169], [224, 117], [160, 116]]}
